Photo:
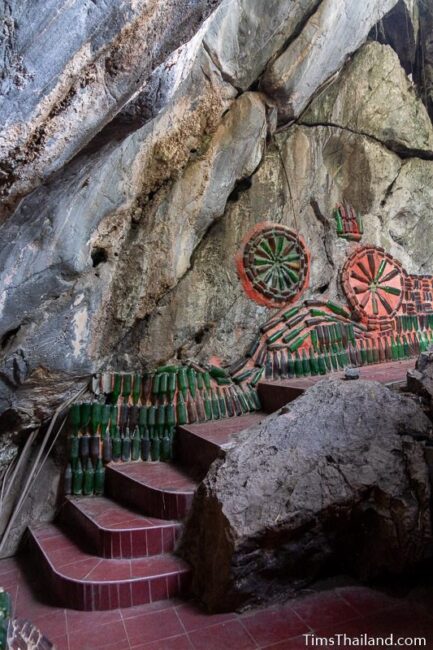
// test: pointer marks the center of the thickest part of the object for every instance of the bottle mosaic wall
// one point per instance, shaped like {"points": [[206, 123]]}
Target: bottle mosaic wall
{"points": [[388, 317]]}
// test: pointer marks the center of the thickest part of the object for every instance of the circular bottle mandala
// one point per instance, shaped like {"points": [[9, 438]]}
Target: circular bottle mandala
{"points": [[273, 264], [373, 282]]}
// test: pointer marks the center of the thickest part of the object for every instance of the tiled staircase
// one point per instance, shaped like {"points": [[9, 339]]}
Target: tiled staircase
{"points": [[118, 550]]}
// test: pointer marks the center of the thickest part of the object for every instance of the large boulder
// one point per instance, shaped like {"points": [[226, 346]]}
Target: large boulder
{"points": [[336, 481]]}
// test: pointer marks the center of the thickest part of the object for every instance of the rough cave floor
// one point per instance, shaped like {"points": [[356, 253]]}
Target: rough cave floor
{"points": [[340, 606]]}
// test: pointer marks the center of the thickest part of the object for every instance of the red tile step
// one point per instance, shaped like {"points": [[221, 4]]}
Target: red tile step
{"points": [[159, 490], [111, 530], [78, 580], [198, 445], [275, 394]]}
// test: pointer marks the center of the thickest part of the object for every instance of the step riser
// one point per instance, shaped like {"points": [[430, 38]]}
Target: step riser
{"points": [[122, 544], [147, 500], [96, 596], [201, 458], [275, 396]]}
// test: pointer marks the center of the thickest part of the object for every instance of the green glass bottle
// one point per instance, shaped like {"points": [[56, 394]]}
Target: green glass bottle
{"points": [[208, 406], [136, 389], [99, 478], [215, 406], [155, 448], [170, 415], [117, 382], [182, 381], [305, 363], [370, 358], [327, 359], [376, 357], [126, 387], [241, 398], [107, 450], [160, 419], [206, 379], [314, 366], [95, 447], [142, 417], [116, 444], [96, 416], [339, 222], [166, 446], [89, 479], [340, 358], [155, 386], [314, 340], [400, 349], [191, 410], [126, 446], [201, 414], [222, 403], [135, 444], [380, 350], [225, 395], [171, 387], [255, 398], [114, 419], [290, 365], [145, 445], [163, 384], [182, 417], [298, 365], [333, 357], [236, 403], [192, 385], [105, 417], [200, 382], [151, 419], [406, 349], [269, 366], [77, 479], [322, 364], [74, 447], [84, 448]]}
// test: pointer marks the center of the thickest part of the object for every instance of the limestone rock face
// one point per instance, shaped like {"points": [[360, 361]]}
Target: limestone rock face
{"points": [[68, 71], [373, 96], [75, 326], [330, 35], [300, 496]]}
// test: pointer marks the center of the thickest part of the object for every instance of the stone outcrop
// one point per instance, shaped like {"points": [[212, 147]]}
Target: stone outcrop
{"points": [[303, 495]]}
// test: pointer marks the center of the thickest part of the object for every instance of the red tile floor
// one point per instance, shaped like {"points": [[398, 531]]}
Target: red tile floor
{"points": [[179, 625]]}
